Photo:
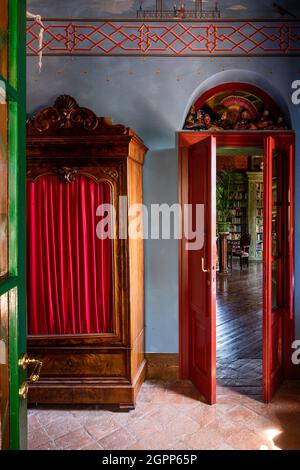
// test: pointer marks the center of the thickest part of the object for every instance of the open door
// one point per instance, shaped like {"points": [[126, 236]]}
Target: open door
{"points": [[278, 311], [202, 270], [13, 430], [273, 269]]}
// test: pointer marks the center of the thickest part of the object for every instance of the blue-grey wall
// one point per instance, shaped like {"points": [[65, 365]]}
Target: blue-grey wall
{"points": [[152, 95], [127, 8]]}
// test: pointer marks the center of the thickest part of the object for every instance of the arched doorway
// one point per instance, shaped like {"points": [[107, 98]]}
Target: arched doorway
{"points": [[237, 119]]}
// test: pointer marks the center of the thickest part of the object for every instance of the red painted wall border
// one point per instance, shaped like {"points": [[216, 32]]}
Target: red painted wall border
{"points": [[173, 38]]}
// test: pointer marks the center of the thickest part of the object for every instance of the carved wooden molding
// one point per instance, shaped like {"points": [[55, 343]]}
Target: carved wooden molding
{"points": [[66, 117], [112, 172], [66, 174]]}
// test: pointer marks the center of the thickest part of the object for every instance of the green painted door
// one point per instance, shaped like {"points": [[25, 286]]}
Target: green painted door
{"points": [[13, 423]]}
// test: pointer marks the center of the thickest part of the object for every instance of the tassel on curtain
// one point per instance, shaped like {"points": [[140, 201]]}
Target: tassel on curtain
{"points": [[70, 270]]}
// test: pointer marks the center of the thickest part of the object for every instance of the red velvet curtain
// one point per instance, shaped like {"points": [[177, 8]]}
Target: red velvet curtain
{"points": [[69, 270]]}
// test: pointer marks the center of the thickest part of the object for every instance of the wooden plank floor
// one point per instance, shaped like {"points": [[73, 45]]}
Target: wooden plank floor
{"points": [[239, 329]]}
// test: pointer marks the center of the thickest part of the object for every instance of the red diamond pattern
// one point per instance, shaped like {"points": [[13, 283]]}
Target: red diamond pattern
{"points": [[170, 38]]}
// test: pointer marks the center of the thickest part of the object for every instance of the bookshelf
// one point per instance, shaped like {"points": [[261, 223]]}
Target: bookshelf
{"points": [[238, 207], [255, 213]]}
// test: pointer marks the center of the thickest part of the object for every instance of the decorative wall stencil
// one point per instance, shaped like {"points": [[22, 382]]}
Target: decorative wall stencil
{"points": [[167, 38], [235, 108]]}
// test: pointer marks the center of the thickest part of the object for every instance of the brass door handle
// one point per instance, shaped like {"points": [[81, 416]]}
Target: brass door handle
{"points": [[204, 270], [23, 391], [25, 361]]}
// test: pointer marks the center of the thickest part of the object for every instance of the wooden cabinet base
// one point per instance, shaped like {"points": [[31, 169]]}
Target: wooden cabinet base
{"points": [[120, 392]]}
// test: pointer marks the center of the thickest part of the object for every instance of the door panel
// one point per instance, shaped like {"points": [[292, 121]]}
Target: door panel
{"points": [[4, 298], [4, 373], [273, 268], [12, 222], [202, 270], [3, 38], [288, 150], [3, 189], [289, 220]]}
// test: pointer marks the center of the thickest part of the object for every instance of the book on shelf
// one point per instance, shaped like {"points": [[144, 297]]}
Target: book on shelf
{"points": [[239, 220], [259, 237], [238, 207]]}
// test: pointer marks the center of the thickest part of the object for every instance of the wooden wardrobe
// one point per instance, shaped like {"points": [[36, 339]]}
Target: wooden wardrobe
{"points": [[73, 158]]}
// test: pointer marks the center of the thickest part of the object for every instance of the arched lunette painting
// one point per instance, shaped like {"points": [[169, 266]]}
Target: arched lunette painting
{"points": [[235, 107]]}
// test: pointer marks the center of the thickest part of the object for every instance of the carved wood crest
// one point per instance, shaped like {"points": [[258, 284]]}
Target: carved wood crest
{"points": [[66, 117], [66, 175], [112, 172]]}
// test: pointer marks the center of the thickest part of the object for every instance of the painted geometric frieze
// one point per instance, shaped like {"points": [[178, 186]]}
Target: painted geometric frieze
{"points": [[163, 38]]}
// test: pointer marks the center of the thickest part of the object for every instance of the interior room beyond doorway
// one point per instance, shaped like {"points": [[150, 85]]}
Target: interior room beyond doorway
{"points": [[240, 209]]}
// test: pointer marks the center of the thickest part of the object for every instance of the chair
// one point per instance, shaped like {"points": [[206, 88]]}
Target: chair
{"points": [[241, 251]]}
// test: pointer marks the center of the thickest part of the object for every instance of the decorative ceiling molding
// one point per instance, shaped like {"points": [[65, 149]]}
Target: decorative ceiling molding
{"points": [[205, 38]]}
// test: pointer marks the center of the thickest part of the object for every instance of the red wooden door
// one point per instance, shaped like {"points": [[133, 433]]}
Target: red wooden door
{"points": [[289, 287], [273, 310], [202, 270]]}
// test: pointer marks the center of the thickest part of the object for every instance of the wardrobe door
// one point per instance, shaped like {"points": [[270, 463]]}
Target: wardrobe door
{"points": [[70, 278]]}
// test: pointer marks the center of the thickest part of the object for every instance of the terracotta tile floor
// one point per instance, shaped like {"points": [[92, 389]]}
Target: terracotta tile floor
{"points": [[172, 416]]}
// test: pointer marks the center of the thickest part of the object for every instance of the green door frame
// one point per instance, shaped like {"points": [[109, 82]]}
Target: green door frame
{"points": [[14, 283]]}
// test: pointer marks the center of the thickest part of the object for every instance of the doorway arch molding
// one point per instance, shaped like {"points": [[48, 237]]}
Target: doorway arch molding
{"points": [[239, 76]]}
